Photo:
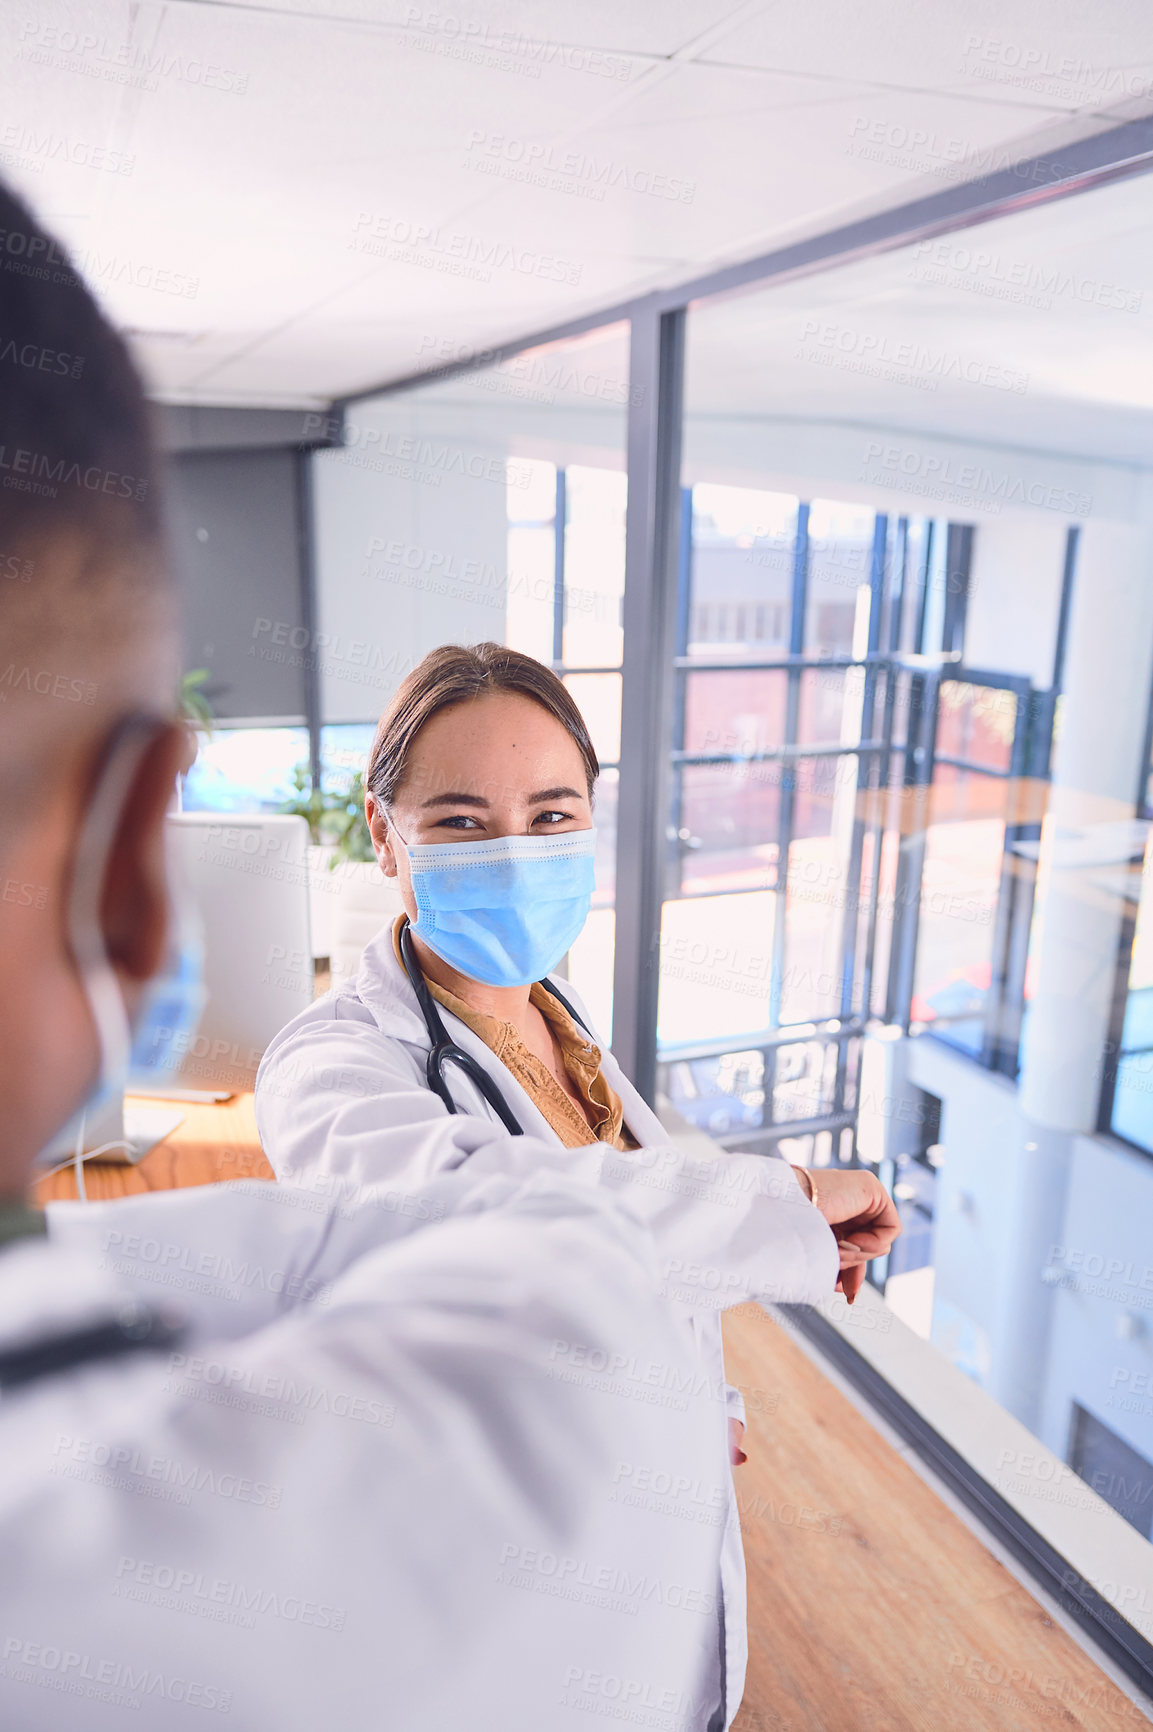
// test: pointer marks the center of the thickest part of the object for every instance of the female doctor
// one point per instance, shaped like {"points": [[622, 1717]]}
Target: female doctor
{"points": [[453, 1045]]}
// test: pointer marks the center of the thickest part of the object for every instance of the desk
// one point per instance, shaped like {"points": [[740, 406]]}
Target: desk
{"points": [[214, 1142], [872, 1607]]}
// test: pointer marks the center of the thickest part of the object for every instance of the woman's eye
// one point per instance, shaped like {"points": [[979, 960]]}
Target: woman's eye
{"points": [[550, 818], [458, 821]]}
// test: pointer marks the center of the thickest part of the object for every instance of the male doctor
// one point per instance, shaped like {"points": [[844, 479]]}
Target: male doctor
{"points": [[290, 1462]]}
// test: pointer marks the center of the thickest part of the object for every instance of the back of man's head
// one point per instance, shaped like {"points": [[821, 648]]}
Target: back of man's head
{"points": [[85, 640], [80, 577]]}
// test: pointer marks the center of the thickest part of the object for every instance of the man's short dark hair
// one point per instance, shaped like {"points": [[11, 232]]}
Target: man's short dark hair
{"points": [[75, 441]]}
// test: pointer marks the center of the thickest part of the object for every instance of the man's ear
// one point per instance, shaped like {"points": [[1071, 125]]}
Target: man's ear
{"points": [[134, 902], [380, 830]]}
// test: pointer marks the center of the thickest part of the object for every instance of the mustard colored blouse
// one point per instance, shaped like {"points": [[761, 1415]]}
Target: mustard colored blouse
{"points": [[582, 1061]]}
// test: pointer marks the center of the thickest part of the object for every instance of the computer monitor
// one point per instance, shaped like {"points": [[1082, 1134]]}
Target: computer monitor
{"points": [[247, 876]]}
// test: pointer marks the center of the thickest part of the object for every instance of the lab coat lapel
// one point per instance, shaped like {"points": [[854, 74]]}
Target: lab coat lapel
{"points": [[384, 987]]}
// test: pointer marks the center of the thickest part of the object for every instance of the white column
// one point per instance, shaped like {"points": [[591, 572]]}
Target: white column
{"points": [[1109, 662], [1095, 775]]}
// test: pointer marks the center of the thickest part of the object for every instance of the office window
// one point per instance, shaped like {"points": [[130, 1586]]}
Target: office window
{"points": [[244, 770], [912, 685], [788, 781]]}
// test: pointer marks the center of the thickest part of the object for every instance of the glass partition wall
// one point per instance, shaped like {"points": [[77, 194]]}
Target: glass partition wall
{"points": [[866, 644], [903, 919]]}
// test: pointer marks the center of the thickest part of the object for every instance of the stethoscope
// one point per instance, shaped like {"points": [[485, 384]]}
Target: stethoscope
{"points": [[444, 1050]]}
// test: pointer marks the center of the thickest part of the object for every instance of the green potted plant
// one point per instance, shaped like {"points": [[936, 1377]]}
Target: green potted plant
{"points": [[349, 896]]}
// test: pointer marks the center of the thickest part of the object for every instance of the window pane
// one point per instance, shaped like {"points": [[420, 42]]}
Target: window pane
{"points": [[820, 895], [728, 823], [964, 845], [804, 1080], [530, 588], [715, 966], [598, 698], [738, 712], [245, 769], [840, 561], [590, 961], [830, 706], [594, 566], [718, 1095], [744, 542], [977, 723], [825, 794], [605, 817], [344, 753]]}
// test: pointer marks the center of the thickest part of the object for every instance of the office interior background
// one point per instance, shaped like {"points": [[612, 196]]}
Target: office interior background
{"points": [[790, 391]]}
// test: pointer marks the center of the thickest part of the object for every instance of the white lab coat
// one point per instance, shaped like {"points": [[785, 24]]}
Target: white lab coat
{"points": [[342, 1102], [355, 1494]]}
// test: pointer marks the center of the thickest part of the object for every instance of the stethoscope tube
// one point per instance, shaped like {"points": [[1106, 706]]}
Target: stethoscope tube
{"points": [[444, 1050]]}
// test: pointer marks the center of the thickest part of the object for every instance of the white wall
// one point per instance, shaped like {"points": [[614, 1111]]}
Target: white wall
{"points": [[1015, 596], [1104, 1253], [972, 1244], [1102, 1352], [411, 529], [411, 536]]}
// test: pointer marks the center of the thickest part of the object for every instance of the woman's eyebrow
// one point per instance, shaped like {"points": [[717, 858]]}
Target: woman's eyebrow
{"points": [[553, 794], [454, 800]]}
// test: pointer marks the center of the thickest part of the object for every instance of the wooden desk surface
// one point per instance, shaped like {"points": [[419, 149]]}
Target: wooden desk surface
{"points": [[213, 1142], [872, 1608]]}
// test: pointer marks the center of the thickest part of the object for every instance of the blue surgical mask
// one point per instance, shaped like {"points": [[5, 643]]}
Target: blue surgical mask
{"points": [[505, 910]]}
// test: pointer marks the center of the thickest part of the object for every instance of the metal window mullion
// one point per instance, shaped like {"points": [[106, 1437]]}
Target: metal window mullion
{"points": [[656, 384], [850, 936], [921, 602], [1068, 573], [1024, 880], [852, 912], [876, 789], [999, 1050], [917, 793], [309, 606], [897, 564], [958, 569], [787, 806]]}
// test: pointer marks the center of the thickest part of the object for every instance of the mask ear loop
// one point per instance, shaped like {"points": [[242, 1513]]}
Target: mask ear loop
{"points": [[128, 743]]}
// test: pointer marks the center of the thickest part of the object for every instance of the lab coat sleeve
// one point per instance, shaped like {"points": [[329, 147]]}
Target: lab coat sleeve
{"points": [[341, 1104], [233, 1257], [421, 1450]]}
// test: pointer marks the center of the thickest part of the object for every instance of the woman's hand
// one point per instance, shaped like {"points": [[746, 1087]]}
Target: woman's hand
{"points": [[736, 1439], [861, 1213]]}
